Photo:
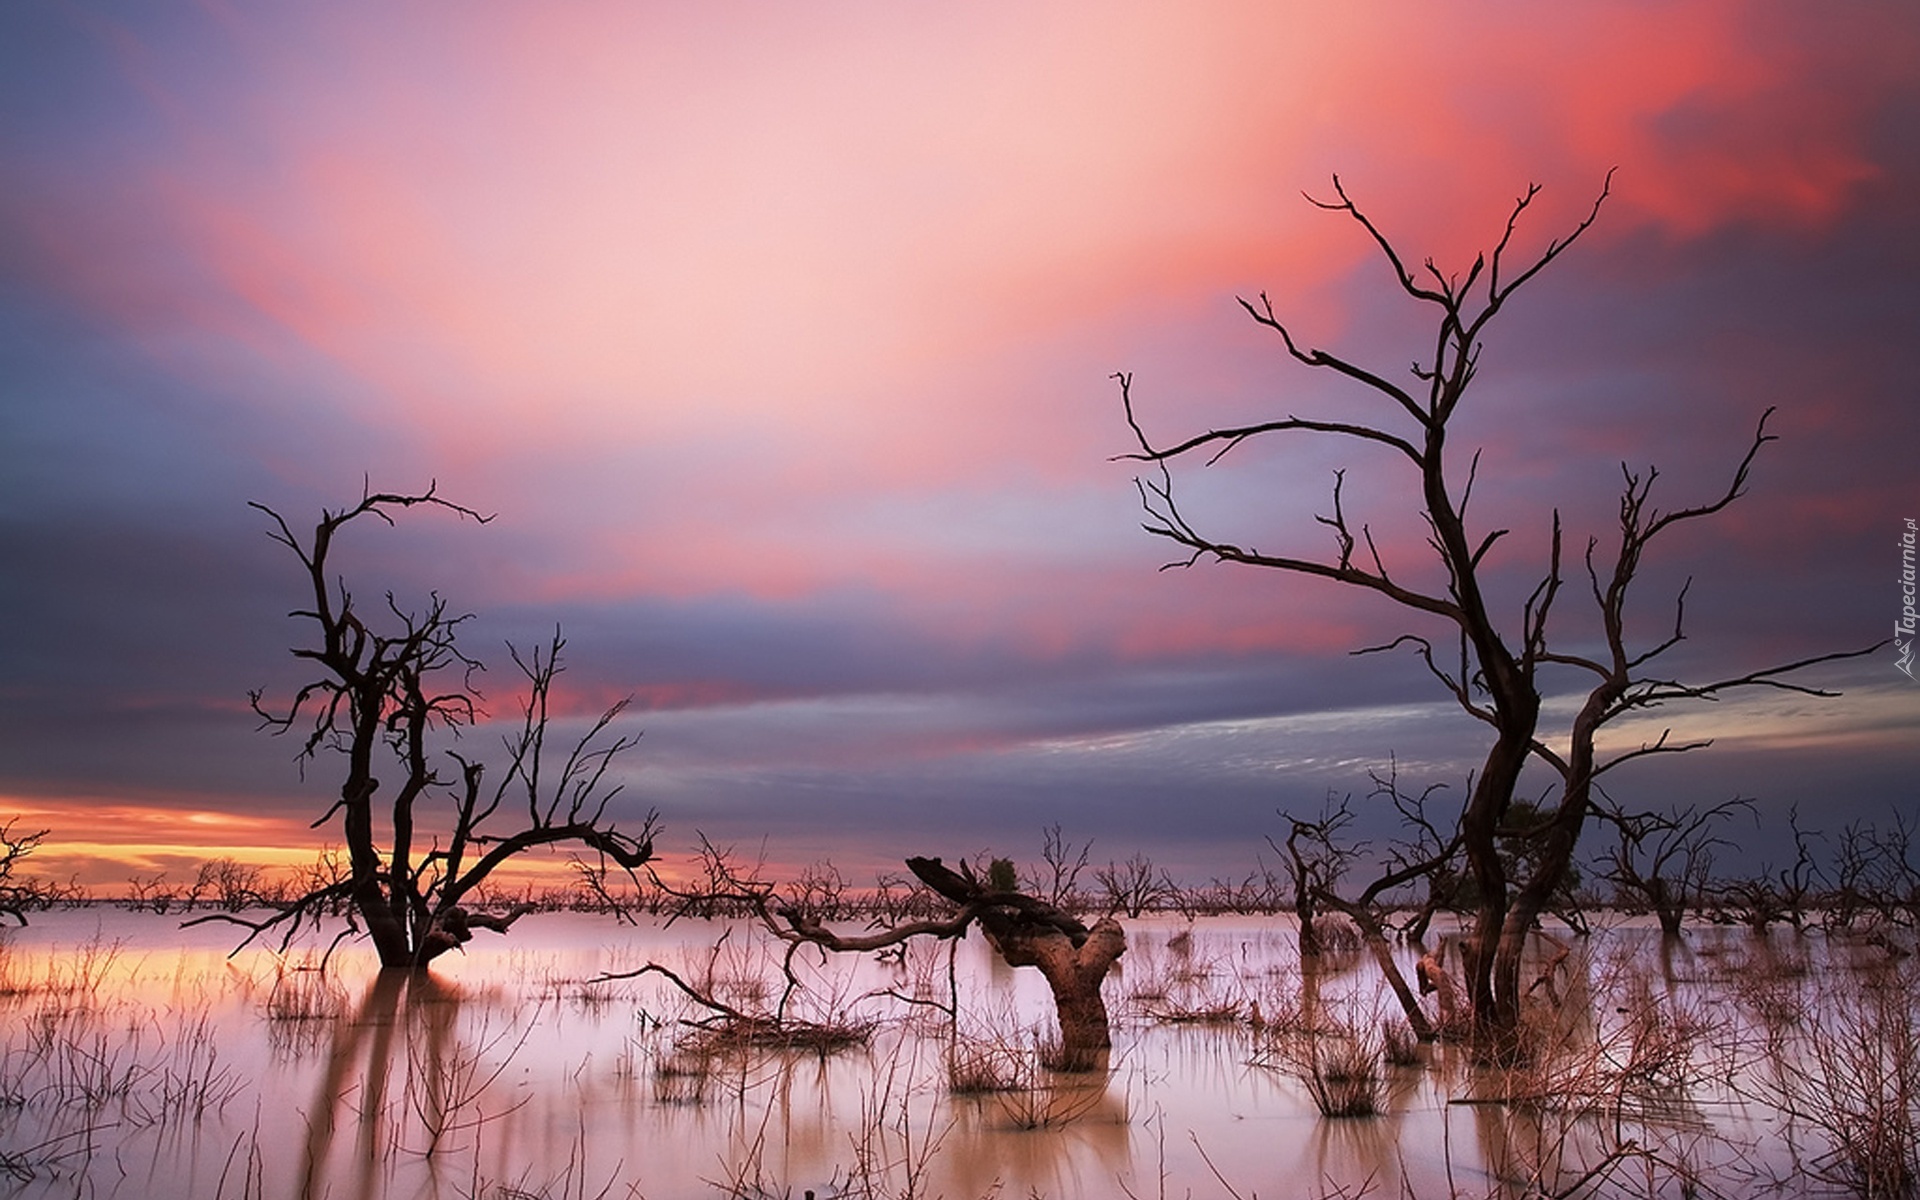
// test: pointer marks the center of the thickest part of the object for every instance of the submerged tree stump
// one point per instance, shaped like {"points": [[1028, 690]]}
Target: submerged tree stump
{"points": [[1028, 932]]}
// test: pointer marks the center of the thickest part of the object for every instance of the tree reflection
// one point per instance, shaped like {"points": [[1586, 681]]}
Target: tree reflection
{"points": [[398, 1078]]}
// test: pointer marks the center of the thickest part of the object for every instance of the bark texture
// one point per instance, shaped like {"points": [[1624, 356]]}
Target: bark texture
{"points": [[1028, 932]]}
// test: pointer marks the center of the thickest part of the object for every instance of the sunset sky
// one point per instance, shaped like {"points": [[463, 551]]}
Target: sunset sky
{"points": [[779, 337]]}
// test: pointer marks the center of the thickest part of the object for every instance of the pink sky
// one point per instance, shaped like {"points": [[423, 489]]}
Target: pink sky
{"points": [[788, 330]]}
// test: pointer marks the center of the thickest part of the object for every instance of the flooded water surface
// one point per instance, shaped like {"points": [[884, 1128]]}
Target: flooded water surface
{"points": [[140, 1060]]}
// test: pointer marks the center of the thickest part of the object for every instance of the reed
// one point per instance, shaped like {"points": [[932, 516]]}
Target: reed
{"points": [[1336, 1057], [1852, 1077], [978, 1068], [303, 991]]}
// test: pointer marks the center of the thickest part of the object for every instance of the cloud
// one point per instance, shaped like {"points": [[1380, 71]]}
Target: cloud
{"points": [[781, 346]]}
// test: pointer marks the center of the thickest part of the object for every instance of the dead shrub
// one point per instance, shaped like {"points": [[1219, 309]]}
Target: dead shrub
{"points": [[682, 1077], [1336, 1057], [982, 1068], [1854, 1077]]}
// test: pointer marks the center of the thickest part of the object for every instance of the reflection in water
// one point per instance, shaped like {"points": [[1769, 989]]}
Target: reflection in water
{"points": [[169, 1073], [416, 1012]]}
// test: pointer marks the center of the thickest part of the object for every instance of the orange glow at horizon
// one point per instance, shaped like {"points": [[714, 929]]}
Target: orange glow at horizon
{"points": [[148, 844]]}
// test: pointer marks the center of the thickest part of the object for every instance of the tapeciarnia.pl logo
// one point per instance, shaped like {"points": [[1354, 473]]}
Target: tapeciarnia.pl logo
{"points": [[1903, 629]]}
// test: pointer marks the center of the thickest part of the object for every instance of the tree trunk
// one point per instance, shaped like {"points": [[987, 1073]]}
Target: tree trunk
{"points": [[1375, 936], [1027, 932], [1495, 1011], [1074, 973], [1530, 901], [1671, 910], [1382, 951]]}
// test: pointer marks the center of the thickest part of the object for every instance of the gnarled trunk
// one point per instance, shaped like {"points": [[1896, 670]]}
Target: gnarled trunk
{"points": [[1028, 932], [1073, 972], [1496, 1010]]}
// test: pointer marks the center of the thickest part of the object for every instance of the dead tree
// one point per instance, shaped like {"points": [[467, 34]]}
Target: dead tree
{"points": [[1665, 860], [17, 894], [1316, 858], [1496, 674], [1059, 882], [1135, 887], [1024, 930], [1428, 847], [1875, 880], [1321, 860], [1773, 896], [386, 684]]}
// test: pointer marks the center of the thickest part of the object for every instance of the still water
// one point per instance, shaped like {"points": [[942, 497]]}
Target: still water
{"points": [[139, 1059]]}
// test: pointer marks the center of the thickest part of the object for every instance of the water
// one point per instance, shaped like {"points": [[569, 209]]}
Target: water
{"points": [[139, 1060]]}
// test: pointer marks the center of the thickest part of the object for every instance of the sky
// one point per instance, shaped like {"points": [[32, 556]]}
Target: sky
{"points": [[779, 340]]}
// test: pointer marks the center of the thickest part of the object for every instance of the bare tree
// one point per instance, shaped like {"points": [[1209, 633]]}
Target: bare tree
{"points": [[1496, 675], [1025, 931], [1427, 849], [386, 683], [1321, 859], [1135, 886], [1073, 958], [1776, 896], [1665, 860], [820, 891], [227, 883], [17, 895], [1058, 880], [1316, 858], [1875, 879]]}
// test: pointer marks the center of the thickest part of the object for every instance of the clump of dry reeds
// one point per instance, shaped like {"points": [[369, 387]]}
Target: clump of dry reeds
{"points": [[126, 1070], [1616, 1047], [1337, 1057], [682, 1076], [64, 980], [1398, 1044], [728, 1033], [1343, 1076], [982, 1067], [305, 992], [1594, 1095], [1851, 1073], [1186, 989]]}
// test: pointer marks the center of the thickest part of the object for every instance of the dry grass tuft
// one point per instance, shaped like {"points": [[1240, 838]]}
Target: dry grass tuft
{"points": [[1853, 1076], [1336, 1057], [1342, 1074], [304, 992], [976, 1068], [682, 1077], [773, 1034], [1397, 1043]]}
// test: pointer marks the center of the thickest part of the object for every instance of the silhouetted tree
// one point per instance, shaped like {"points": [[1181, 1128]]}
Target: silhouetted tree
{"points": [[17, 895], [1665, 860], [1775, 896], [1321, 859], [1316, 858], [1059, 882], [1496, 674], [386, 682], [1875, 878], [1136, 886]]}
